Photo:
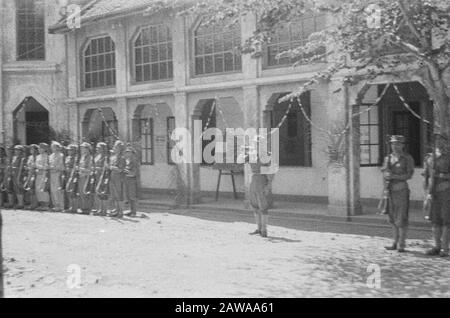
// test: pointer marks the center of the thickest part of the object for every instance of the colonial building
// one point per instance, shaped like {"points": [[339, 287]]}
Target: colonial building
{"points": [[139, 75], [33, 89]]}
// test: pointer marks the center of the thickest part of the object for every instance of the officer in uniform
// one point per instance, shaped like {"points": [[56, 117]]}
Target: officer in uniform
{"points": [[70, 164], [117, 166], [100, 163], [18, 172], [85, 168], [438, 165], [398, 168], [131, 179], [31, 173], [3, 164], [259, 190], [42, 169], [56, 161]]}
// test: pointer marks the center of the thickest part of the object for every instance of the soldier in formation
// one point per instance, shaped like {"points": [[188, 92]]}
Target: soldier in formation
{"points": [[71, 180], [437, 190]]}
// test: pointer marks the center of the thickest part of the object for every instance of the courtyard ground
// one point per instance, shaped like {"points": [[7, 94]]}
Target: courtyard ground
{"points": [[182, 255]]}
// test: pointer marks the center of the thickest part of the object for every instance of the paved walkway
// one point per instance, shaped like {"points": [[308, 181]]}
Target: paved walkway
{"points": [[300, 209], [166, 255]]}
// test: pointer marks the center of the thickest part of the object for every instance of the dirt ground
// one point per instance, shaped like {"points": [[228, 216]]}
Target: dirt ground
{"points": [[166, 255]]}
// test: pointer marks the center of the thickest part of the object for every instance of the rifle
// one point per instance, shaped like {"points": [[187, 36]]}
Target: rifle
{"points": [[73, 182], [103, 183], [383, 206], [430, 183], [31, 180], [46, 185], [89, 186], [7, 183]]}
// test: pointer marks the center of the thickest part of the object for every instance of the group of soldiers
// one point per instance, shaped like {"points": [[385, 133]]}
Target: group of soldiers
{"points": [[73, 179], [398, 168]]}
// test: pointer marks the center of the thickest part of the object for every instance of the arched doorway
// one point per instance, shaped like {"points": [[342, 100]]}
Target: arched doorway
{"points": [[100, 125], [31, 122], [295, 130]]}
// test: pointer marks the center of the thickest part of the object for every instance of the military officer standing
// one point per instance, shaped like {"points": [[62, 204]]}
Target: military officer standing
{"points": [[70, 163], [3, 165], [117, 166], [31, 177], [437, 167], [85, 168], [100, 164], [398, 168], [18, 172], [56, 162], [131, 179], [42, 169]]}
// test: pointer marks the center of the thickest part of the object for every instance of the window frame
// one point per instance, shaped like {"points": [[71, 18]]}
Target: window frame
{"points": [[83, 64], [381, 140], [266, 46], [144, 159], [194, 56], [304, 124], [18, 43], [133, 55]]}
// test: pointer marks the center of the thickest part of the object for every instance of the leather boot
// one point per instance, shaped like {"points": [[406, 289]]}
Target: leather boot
{"points": [[20, 205], [403, 233], [264, 221], [437, 235], [258, 221], [396, 236], [11, 201]]}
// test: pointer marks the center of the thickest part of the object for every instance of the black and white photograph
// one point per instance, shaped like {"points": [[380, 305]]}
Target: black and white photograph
{"points": [[229, 151]]}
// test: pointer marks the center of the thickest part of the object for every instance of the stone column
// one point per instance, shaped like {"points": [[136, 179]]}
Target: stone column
{"points": [[252, 119], [343, 177], [122, 117]]}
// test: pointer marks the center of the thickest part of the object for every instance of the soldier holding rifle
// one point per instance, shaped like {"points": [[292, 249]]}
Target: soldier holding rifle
{"points": [[18, 170], [398, 168], [30, 184], [42, 169], [131, 182], [72, 193], [100, 164], [56, 161], [437, 189], [85, 168], [117, 166], [3, 164]]}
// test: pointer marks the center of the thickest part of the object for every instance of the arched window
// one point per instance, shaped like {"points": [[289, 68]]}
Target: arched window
{"points": [[153, 54], [295, 131], [215, 48], [291, 35], [30, 15], [99, 63]]}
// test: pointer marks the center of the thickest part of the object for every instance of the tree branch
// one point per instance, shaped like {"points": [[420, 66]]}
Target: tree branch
{"points": [[411, 25]]}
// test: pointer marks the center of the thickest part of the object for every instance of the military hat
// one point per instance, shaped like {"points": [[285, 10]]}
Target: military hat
{"points": [[56, 144], [34, 146], [19, 147], [72, 147], [102, 145], [130, 148], [43, 145], [86, 145], [397, 138]]}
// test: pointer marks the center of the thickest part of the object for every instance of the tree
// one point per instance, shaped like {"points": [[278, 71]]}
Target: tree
{"points": [[367, 39]]}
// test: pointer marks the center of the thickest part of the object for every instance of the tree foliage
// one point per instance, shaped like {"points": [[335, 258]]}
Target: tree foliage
{"points": [[365, 39]]}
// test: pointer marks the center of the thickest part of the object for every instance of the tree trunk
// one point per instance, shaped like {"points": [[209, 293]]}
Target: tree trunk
{"points": [[441, 108]]}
